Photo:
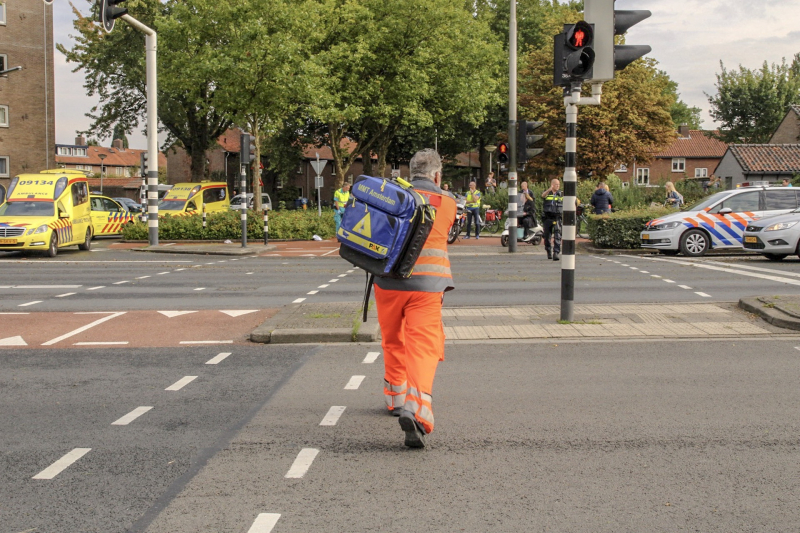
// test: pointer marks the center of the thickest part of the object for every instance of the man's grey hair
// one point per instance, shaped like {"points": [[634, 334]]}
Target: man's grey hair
{"points": [[425, 163]]}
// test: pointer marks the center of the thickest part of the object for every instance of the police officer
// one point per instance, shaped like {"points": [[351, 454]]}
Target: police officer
{"points": [[340, 199], [552, 207]]}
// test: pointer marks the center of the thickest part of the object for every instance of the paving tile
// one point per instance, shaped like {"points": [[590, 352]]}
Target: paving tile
{"points": [[469, 333], [561, 330], [593, 330], [531, 332], [502, 332]]}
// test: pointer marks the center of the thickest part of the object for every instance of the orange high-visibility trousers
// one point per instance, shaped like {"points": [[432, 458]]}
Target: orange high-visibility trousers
{"points": [[413, 344]]}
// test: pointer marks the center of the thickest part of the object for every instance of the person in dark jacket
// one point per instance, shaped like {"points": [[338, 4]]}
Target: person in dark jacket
{"points": [[601, 199]]}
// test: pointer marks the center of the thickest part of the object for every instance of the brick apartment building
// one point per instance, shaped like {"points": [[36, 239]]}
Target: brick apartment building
{"points": [[27, 103], [694, 154]]}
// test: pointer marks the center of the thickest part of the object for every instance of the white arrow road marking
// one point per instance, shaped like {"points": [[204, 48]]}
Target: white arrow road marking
{"points": [[371, 356], [178, 385], [133, 415], [62, 464], [264, 523], [354, 382], [333, 415], [82, 329], [173, 314], [239, 312], [13, 341], [302, 463]]}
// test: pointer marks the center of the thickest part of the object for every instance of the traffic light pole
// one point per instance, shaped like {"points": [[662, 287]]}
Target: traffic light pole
{"points": [[244, 204], [151, 46], [572, 98], [511, 212]]}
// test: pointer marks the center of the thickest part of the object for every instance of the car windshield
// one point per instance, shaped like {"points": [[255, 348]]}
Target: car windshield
{"points": [[708, 202], [172, 205], [236, 200], [28, 209]]}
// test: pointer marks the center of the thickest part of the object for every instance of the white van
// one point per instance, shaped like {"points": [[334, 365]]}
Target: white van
{"points": [[717, 221]]}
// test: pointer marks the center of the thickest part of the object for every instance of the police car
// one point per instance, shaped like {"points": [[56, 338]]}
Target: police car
{"points": [[717, 222]]}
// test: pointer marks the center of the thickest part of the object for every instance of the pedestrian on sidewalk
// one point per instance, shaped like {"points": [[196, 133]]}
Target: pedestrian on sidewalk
{"points": [[674, 198], [491, 184], [410, 312], [601, 199], [552, 207], [473, 207], [340, 199]]}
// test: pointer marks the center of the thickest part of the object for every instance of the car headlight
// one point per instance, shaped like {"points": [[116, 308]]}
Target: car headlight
{"points": [[40, 229], [666, 225], [780, 226]]}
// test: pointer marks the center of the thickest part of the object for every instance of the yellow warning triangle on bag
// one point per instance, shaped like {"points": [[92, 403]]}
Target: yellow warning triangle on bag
{"points": [[364, 226]]}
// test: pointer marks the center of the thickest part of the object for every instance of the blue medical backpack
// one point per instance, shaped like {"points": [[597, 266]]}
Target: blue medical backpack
{"points": [[384, 226]]}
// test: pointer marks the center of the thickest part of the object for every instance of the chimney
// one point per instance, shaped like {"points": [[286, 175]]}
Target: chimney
{"points": [[683, 131], [80, 140], [117, 144]]}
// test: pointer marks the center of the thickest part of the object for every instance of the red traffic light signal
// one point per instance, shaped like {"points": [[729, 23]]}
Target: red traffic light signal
{"points": [[502, 153]]}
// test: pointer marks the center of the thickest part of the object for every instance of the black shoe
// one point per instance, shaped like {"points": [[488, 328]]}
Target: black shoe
{"points": [[556, 257], [396, 411], [549, 255], [415, 434]]}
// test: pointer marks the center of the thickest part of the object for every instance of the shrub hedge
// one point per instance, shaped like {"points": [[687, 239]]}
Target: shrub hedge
{"points": [[621, 229], [296, 224]]}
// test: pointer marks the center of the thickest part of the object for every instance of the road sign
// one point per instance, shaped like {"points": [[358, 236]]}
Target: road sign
{"points": [[319, 166], [318, 183]]}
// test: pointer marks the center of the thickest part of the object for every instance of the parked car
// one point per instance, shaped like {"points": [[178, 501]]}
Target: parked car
{"points": [[774, 237], [109, 216], [129, 204], [190, 198], [717, 221], [236, 201]]}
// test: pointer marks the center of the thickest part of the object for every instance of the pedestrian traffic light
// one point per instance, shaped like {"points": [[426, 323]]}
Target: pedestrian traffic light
{"points": [[573, 54], [608, 23], [247, 149], [502, 153], [143, 164], [525, 141], [109, 12]]}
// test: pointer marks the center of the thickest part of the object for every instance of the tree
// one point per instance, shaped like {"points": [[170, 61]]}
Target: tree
{"points": [[114, 64], [633, 121], [119, 133], [750, 104], [391, 64]]}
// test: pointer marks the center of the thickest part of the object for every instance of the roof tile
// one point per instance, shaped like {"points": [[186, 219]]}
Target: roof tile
{"points": [[767, 157], [699, 144]]}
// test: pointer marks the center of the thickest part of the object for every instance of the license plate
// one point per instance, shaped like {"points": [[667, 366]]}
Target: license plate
{"points": [[8, 241], [646, 236], [751, 239]]}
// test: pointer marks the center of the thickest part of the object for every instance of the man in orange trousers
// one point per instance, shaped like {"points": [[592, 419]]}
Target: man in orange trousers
{"points": [[410, 312]]}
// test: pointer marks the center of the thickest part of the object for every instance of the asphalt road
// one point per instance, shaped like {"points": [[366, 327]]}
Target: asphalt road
{"points": [[585, 436]]}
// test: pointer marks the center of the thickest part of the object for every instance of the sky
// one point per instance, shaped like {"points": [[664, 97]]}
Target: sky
{"points": [[689, 38]]}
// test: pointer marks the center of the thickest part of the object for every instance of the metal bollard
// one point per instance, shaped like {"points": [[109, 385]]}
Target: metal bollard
{"points": [[266, 226], [204, 216]]}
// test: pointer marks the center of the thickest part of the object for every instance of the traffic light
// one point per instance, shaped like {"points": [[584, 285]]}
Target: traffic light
{"points": [[143, 164], [573, 54], [502, 153], [525, 141], [109, 12], [608, 23], [247, 149]]}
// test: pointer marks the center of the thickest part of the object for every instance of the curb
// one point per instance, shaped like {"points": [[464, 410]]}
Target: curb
{"points": [[188, 250], [775, 317], [273, 330]]}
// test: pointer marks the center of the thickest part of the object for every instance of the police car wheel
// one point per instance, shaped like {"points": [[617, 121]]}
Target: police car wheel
{"points": [[776, 257], [694, 243], [87, 242], [52, 251], [668, 252]]}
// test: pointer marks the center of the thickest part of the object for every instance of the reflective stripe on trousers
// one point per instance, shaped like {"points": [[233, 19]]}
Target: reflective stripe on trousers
{"points": [[395, 395], [419, 403]]}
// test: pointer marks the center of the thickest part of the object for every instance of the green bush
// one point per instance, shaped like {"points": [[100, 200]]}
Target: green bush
{"points": [[295, 224], [621, 229]]}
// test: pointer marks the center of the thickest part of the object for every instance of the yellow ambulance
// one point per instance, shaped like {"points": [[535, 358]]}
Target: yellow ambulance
{"points": [[108, 216], [46, 211], [189, 198]]}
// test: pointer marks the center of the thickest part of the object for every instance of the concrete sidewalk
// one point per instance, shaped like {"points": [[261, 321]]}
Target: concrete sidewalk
{"points": [[341, 322]]}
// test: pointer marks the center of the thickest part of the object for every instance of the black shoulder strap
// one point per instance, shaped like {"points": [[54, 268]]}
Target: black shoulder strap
{"points": [[367, 292]]}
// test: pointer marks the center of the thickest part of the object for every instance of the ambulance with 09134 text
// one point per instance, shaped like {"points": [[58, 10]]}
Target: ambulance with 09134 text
{"points": [[46, 211]]}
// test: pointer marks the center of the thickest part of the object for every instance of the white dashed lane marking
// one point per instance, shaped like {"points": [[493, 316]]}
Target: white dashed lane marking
{"points": [[655, 276], [668, 281], [264, 523], [371, 357], [218, 358], [333, 415], [30, 303], [342, 275], [302, 463], [685, 287], [323, 286], [162, 273], [120, 282], [62, 464], [333, 280], [143, 277], [312, 292], [644, 271], [101, 343], [133, 415], [200, 289], [206, 342], [100, 287], [65, 295], [299, 300], [178, 385], [354, 382], [704, 295]]}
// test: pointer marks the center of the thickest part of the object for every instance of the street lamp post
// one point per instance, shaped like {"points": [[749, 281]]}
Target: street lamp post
{"points": [[491, 148], [102, 170]]}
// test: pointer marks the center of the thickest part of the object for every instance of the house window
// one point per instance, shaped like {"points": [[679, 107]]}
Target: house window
{"points": [[64, 150], [642, 176], [678, 164], [701, 173], [3, 62], [79, 151], [621, 168], [2, 13], [118, 171], [3, 116], [3, 166]]}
